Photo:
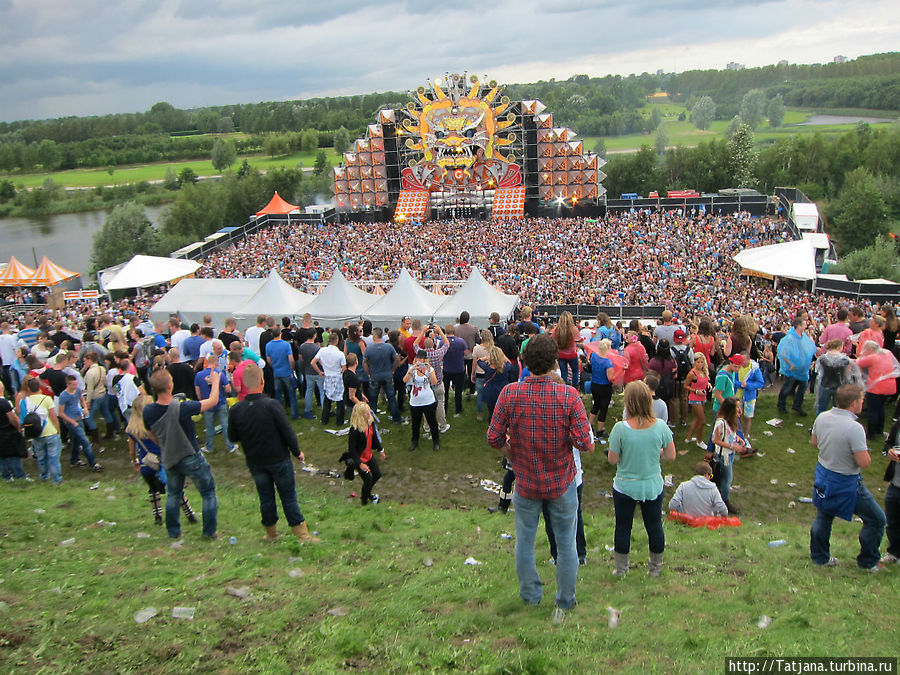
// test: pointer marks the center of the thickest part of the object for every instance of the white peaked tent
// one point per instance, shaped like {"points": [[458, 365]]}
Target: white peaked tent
{"points": [[791, 260], [275, 297], [147, 270], [406, 298], [190, 299], [340, 300], [479, 299]]}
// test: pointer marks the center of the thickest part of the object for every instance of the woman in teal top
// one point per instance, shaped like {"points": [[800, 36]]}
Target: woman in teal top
{"points": [[636, 446]]}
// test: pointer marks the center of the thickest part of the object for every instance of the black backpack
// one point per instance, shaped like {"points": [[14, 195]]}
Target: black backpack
{"points": [[32, 425], [683, 361]]}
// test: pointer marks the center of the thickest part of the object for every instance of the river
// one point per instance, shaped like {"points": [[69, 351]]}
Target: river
{"points": [[65, 238]]}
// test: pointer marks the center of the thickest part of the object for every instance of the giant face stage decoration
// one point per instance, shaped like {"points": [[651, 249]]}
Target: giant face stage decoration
{"points": [[454, 140]]}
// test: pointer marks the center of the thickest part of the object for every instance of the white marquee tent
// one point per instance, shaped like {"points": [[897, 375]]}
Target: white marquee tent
{"points": [[275, 297], [190, 299], [340, 300], [791, 260], [143, 271], [406, 298], [479, 299]]}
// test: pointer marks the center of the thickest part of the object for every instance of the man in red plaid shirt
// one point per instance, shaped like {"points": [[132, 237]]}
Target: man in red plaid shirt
{"points": [[536, 423]]}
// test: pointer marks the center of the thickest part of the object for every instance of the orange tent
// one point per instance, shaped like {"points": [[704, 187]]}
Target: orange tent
{"points": [[277, 205], [16, 274], [49, 273]]}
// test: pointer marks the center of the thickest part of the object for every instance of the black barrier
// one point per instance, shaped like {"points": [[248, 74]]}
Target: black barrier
{"points": [[614, 312], [873, 292]]}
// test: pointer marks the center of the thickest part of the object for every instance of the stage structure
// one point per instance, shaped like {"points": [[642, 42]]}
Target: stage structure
{"points": [[460, 148]]}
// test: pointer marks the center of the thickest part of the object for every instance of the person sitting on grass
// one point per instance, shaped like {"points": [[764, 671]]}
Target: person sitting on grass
{"points": [[261, 426], [699, 496]]}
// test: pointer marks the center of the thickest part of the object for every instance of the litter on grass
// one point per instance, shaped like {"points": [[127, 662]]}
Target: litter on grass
{"points": [[338, 432], [295, 573], [144, 615], [768, 433], [805, 500], [764, 621], [242, 592], [774, 422], [178, 544], [142, 535], [67, 542], [791, 451], [774, 481], [489, 485], [614, 615], [793, 485], [183, 613], [339, 611], [39, 511], [95, 486], [428, 562], [471, 561], [505, 535]]}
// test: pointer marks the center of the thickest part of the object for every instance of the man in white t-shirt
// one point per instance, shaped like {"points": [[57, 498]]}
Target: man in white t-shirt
{"points": [[7, 354], [177, 336], [330, 363], [251, 335]]}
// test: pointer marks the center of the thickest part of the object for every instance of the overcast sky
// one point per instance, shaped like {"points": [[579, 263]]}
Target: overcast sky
{"points": [[90, 57]]}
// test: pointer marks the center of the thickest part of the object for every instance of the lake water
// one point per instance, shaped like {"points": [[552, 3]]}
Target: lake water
{"points": [[65, 238], [816, 120]]}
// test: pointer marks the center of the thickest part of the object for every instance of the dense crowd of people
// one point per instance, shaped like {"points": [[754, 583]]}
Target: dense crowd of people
{"points": [[719, 342]]}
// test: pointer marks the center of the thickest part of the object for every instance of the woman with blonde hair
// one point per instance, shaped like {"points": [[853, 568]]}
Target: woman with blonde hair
{"points": [[362, 443], [636, 447], [567, 336], [496, 376], [697, 385], [145, 457], [482, 352]]}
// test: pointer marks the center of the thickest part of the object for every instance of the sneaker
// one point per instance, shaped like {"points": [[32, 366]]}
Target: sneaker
{"points": [[874, 569], [444, 429], [582, 561], [309, 416], [78, 463], [29, 479], [602, 434], [701, 445], [888, 559], [375, 499], [233, 450], [832, 562], [97, 468], [799, 411], [206, 451]]}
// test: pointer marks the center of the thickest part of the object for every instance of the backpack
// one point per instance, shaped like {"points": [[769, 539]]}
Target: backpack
{"points": [[32, 424], [145, 352], [683, 361]]}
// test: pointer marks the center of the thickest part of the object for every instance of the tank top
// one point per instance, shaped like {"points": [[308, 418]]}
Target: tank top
{"points": [[697, 392], [705, 348]]}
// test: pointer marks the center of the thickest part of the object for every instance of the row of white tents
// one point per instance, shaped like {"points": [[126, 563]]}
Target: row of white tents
{"points": [[339, 301]]}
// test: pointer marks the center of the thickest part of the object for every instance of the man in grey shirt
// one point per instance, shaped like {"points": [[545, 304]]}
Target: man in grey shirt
{"points": [[379, 362], [469, 334], [839, 489], [667, 330]]}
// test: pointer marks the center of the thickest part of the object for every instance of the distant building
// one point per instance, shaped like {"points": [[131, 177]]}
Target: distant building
{"points": [[660, 72], [840, 59], [734, 66], [783, 63]]}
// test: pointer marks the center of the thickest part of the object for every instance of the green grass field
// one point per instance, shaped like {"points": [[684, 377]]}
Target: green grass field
{"points": [[685, 134], [149, 172], [388, 590]]}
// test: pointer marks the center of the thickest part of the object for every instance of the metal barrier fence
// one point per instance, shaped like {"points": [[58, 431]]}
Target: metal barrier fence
{"points": [[614, 312]]}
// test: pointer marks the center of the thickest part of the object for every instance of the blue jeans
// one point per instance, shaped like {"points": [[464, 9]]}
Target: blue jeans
{"points": [[567, 365], [47, 450], [869, 536], [479, 397], [11, 467], [313, 381], [563, 516], [195, 468], [726, 479], [210, 417], [80, 439], [375, 387], [651, 513], [824, 399], [580, 543], [798, 387], [100, 405], [282, 383], [268, 478]]}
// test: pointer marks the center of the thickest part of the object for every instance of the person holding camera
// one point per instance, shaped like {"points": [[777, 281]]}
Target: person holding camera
{"points": [[422, 401]]}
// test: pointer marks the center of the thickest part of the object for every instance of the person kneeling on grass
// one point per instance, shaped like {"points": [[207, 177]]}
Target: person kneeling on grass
{"points": [[362, 443], [699, 496], [261, 426]]}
